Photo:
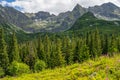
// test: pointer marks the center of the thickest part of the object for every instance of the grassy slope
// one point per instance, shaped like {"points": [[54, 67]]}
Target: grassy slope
{"points": [[103, 68]]}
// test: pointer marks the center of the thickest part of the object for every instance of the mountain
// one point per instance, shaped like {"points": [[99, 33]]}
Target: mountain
{"points": [[89, 22], [13, 16], [77, 12], [42, 15], [44, 22], [108, 11], [64, 20]]}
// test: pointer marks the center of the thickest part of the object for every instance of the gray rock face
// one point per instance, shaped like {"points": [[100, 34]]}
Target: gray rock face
{"points": [[108, 10], [42, 15], [67, 19], [13, 16]]}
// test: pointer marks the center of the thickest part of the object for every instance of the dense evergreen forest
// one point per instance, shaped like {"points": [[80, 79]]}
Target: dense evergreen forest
{"points": [[52, 51]]}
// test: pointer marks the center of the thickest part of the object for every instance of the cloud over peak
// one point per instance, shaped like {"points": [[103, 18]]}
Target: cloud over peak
{"points": [[53, 6]]}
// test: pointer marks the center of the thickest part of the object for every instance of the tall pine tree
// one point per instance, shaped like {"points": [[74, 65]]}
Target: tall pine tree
{"points": [[14, 50], [113, 46], [40, 50], [97, 43], [47, 49], [59, 56], [4, 60]]}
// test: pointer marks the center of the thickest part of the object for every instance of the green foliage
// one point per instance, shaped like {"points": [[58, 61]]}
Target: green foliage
{"points": [[58, 51], [2, 73], [58, 54], [68, 50], [105, 45], [4, 60], [40, 50], [84, 53], [77, 53], [17, 68], [39, 66], [97, 42], [14, 50], [47, 49], [113, 46], [100, 69], [89, 22]]}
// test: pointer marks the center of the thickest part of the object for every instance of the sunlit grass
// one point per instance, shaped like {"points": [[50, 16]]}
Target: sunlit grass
{"points": [[103, 68]]}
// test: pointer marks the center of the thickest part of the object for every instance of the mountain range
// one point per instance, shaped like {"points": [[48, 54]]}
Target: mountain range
{"points": [[46, 22]]}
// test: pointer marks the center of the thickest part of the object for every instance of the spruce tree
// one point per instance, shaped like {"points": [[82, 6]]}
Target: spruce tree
{"points": [[68, 51], [105, 45], [47, 49], [53, 57], [31, 56], [97, 43], [113, 46], [93, 52], [88, 39], [14, 50], [59, 56], [77, 54], [118, 44], [40, 50], [4, 60], [84, 53], [22, 52]]}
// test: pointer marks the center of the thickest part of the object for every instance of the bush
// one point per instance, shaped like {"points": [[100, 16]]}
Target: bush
{"points": [[2, 73], [39, 66], [17, 68]]}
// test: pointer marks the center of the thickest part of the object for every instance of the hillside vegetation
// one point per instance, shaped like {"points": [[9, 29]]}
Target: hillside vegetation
{"points": [[53, 51], [89, 22], [103, 68]]}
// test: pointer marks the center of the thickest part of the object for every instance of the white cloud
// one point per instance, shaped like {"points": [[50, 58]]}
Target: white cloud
{"points": [[55, 6]]}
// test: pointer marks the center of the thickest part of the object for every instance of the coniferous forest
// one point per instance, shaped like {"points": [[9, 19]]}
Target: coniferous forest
{"points": [[51, 51]]}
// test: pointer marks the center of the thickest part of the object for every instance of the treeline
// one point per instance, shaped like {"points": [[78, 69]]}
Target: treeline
{"points": [[53, 51]]}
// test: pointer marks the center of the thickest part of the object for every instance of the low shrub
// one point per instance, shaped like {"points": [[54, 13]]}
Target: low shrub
{"points": [[2, 73], [39, 66], [17, 68]]}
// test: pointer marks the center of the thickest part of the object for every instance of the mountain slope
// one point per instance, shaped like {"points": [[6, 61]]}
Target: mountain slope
{"points": [[106, 11], [103, 68], [65, 20], [13, 16], [89, 22], [20, 34]]}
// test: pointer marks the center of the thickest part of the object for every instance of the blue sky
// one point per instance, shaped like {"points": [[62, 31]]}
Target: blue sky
{"points": [[52, 6], [8, 3], [8, 0]]}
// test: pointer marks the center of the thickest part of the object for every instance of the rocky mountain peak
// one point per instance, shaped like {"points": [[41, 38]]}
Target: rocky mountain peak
{"points": [[109, 5], [43, 15], [77, 7]]}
